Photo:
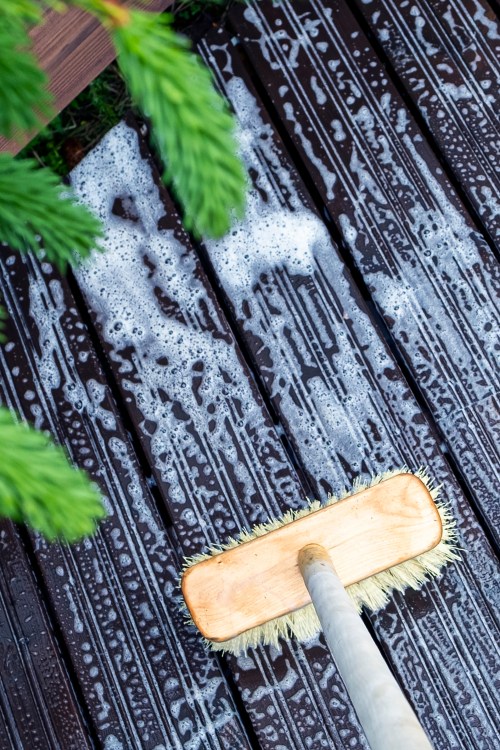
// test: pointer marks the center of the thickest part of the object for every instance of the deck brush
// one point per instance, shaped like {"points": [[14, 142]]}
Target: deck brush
{"points": [[316, 568]]}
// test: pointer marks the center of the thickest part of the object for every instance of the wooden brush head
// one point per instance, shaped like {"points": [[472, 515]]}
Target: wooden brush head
{"points": [[258, 581]]}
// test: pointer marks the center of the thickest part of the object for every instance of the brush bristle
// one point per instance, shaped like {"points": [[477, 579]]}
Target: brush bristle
{"points": [[372, 593]]}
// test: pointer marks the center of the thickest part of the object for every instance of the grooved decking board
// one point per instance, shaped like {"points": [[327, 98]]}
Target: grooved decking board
{"points": [[189, 397], [215, 453], [347, 411], [447, 53], [37, 706], [146, 679], [431, 275]]}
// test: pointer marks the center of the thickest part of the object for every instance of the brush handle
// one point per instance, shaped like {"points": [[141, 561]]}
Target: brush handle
{"points": [[383, 711]]}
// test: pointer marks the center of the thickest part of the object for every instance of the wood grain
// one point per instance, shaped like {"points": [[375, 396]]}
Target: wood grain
{"points": [[347, 411], [219, 462], [72, 48], [249, 585], [37, 703], [216, 456], [447, 54], [340, 395], [432, 276], [144, 675]]}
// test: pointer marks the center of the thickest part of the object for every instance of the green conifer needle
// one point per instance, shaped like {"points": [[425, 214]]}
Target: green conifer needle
{"points": [[28, 11], [24, 97], [39, 487], [191, 122], [36, 210]]}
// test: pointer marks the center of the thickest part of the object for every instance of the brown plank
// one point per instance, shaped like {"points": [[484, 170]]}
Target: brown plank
{"points": [[347, 411], [216, 456], [143, 673], [430, 273], [37, 705], [72, 48], [218, 461], [447, 54]]}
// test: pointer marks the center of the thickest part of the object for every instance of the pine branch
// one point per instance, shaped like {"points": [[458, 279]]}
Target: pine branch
{"points": [[36, 210], [39, 487], [191, 122], [27, 11], [24, 97]]}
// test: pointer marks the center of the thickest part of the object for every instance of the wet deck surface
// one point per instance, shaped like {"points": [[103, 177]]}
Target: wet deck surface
{"points": [[349, 326]]}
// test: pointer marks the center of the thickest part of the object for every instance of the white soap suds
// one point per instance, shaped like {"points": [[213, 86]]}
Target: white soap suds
{"points": [[176, 361]]}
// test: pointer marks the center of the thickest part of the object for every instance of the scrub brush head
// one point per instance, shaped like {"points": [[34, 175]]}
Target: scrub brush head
{"points": [[372, 592]]}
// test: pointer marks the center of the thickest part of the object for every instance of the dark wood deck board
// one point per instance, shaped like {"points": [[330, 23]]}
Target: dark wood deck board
{"points": [[447, 54], [217, 458], [347, 410], [151, 286], [37, 705], [115, 596], [432, 276], [337, 395]]}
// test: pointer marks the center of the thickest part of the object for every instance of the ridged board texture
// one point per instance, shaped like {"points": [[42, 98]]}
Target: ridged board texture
{"points": [[216, 455], [145, 677], [217, 458], [347, 411], [447, 54], [37, 706], [433, 277]]}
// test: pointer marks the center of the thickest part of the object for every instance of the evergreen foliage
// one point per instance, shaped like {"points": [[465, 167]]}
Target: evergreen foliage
{"points": [[191, 123], [45, 214], [39, 487], [23, 92], [195, 134], [28, 11]]}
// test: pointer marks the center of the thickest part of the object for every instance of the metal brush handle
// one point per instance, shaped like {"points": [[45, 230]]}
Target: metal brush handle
{"points": [[383, 711]]}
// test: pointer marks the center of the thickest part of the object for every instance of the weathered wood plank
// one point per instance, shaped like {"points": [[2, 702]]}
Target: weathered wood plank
{"points": [[73, 48], [144, 675], [447, 53], [193, 407], [37, 705], [432, 276], [347, 410], [216, 455]]}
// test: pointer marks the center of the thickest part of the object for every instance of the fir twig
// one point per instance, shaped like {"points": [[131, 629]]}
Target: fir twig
{"points": [[39, 487], [24, 97], [36, 210], [27, 11], [191, 122]]}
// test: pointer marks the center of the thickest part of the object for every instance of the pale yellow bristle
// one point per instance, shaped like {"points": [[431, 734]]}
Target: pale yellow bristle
{"points": [[372, 593]]}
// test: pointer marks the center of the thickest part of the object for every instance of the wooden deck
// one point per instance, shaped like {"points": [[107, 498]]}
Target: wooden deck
{"points": [[350, 325]]}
